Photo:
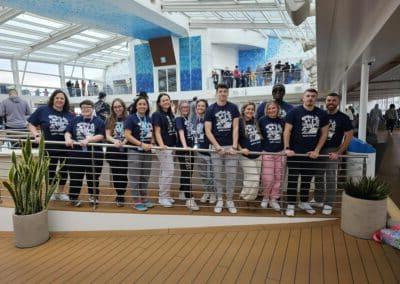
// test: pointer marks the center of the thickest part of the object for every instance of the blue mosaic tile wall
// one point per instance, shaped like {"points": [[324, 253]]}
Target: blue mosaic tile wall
{"points": [[251, 58], [144, 68], [274, 44], [190, 63]]}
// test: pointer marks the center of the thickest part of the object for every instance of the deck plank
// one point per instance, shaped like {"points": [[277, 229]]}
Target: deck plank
{"points": [[329, 256], [290, 264], [394, 260], [303, 259], [370, 267], [382, 263], [357, 268], [316, 259], [279, 256]]}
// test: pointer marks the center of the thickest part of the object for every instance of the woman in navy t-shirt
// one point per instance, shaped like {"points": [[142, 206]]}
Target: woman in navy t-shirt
{"points": [[249, 141], [139, 133], [84, 129], [51, 121], [165, 136], [272, 127], [185, 130], [116, 156]]}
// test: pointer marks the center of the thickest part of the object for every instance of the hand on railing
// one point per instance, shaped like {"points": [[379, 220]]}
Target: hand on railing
{"points": [[69, 142], [146, 147], [313, 154], [289, 153], [245, 151], [334, 156], [118, 143]]}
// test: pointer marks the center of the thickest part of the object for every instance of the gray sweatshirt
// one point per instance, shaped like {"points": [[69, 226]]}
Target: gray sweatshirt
{"points": [[15, 110]]}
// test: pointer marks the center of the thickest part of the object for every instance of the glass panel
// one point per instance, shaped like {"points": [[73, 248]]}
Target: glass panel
{"points": [[40, 80], [6, 77], [94, 74], [172, 80], [162, 80], [77, 71], [51, 69], [5, 64]]}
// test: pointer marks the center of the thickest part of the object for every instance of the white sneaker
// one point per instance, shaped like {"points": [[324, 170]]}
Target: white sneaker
{"points": [[264, 203], [191, 204], [218, 206], [306, 207], [182, 195], [290, 210], [76, 203], [92, 200], [63, 197], [165, 203], [171, 200], [314, 203], [275, 205], [204, 198], [53, 197], [327, 210], [213, 198], [231, 207]]}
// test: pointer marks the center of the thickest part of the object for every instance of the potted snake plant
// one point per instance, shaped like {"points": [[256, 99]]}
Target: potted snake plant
{"points": [[364, 206], [30, 187]]}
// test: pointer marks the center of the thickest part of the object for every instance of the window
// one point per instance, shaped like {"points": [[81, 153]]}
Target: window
{"points": [[45, 68], [93, 74], [32, 79], [77, 71], [6, 77], [167, 80], [5, 64]]}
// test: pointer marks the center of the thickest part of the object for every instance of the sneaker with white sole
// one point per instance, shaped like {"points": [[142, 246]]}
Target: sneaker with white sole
{"points": [[290, 210], [93, 200], [231, 207], [274, 204], [63, 197], [182, 195], [213, 198], [204, 198], [264, 203], [75, 202], [191, 204], [54, 197], [327, 210], [316, 204], [165, 202], [306, 207], [171, 200], [218, 206]]}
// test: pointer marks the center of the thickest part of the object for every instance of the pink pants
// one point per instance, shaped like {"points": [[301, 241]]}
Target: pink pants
{"points": [[272, 175]]}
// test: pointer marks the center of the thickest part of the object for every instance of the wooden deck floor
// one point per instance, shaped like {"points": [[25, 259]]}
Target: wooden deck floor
{"points": [[301, 253]]}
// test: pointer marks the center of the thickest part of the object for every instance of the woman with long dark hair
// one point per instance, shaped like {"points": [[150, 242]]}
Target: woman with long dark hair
{"points": [[165, 136], [51, 121], [139, 133], [116, 155]]}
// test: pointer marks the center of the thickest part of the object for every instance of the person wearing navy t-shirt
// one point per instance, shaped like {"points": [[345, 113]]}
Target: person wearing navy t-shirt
{"points": [[339, 137], [306, 130], [272, 126], [278, 93], [85, 159], [222, 130], [165, 136], [116, 155], [203, 159], [184, 127], [249, 141], [51, 121], [139, 133]]}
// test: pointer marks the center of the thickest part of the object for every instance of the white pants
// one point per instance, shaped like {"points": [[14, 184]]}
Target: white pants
{"points": [[251, 169], [166, 172]]}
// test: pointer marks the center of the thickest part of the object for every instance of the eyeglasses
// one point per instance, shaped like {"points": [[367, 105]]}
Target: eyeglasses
{"points": [[117, 106], [86, 107]]}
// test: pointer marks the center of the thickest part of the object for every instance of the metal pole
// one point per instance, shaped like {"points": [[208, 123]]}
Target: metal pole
{"points": [[17, 83], [343, 101], [62, 76], [362, 123]]}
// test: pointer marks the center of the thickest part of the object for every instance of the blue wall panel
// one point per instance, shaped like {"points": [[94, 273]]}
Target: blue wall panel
{"points": [[190, 63], [144, 68], [251, 58], [274, 44]]}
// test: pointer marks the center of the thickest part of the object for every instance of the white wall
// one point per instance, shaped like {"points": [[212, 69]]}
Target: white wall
{"points": [[248, 38], [224, 56], [118, 71]]}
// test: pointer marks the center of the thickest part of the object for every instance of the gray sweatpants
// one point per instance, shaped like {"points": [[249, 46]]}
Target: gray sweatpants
{"points": [[205, 172], [166, 173], [326, 179], [227, 164], [139, 168]]}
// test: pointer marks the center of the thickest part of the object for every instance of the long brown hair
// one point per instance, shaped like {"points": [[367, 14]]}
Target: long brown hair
{"points": [[243, 119], [277, 106], [112, 119]]}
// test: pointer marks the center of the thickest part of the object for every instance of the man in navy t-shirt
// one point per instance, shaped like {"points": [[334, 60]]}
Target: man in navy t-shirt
{"points": [[339, 137], [278, 93], [222, 130], [306, 131]]}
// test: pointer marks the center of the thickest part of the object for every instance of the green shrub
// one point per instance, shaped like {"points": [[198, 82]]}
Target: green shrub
{"points": [[367, 188], [28, 179]]}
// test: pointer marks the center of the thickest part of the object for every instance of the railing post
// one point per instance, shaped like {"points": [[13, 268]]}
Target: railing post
{"points": [[94, 178]]}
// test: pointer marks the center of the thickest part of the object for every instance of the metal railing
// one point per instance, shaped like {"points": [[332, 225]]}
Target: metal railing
{"points": [[129, 177]]}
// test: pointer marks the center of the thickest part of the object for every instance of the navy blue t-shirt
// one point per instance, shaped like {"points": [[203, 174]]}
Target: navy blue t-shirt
{"points": [[272, 131], [140, 128], [199, 134], [285, 108], [306, 128], [252, 140], [53, 123], [81, 128], [119, 130], [183, 123], [339, 123], [167, 124], [222, 118]]}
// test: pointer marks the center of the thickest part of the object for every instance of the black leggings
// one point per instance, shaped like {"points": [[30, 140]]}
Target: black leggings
{"points": [[81, 164], [186, 160], [390, 124], [58, 154], [119, 169]]}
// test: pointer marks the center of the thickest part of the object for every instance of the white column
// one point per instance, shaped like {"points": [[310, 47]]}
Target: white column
{"points": [[132, 67], [61, 71], [343, 101], [17, 83], [362, 123]]}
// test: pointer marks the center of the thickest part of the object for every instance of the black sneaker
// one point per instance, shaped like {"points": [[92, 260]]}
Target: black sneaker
{"points": [[93, 200], [76, 202], [120, 201]]}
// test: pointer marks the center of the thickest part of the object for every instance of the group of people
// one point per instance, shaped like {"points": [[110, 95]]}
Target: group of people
{"points": [[391, 118], [267, 138], [82, 89]]}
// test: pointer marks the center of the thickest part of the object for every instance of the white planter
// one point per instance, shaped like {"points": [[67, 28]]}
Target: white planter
{"points": [[31, 230], [361, 218]]}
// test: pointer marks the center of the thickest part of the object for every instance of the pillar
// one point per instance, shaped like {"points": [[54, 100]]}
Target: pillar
{"points": [[362, 123]]}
